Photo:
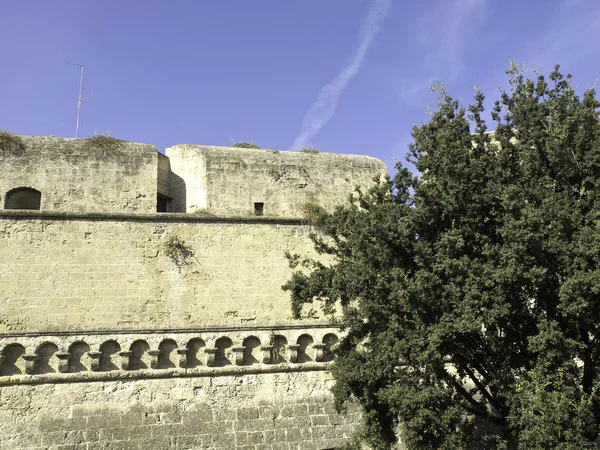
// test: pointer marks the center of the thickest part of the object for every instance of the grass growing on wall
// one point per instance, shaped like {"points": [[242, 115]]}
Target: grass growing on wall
{"points": [[105, 144], [201, 212], [310, 149], [11, 144], [244, 145]]}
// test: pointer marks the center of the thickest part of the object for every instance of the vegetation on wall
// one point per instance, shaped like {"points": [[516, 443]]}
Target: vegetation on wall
{"points": [[104, 144], [201, 212], [11, 144], [244, 145], [310, 149], [470, 295], [176, 249], [312, 212]]}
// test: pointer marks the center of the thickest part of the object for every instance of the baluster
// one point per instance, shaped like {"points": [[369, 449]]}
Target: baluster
{"points": [[319, 351], [125, 357], [154, 358], [182, 352], [210, 356], [238, 355], [63, 361], [94, 360], [267, 351], [29, 363], [293, 353]]}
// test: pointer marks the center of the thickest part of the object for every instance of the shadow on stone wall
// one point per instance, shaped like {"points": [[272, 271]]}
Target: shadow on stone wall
{"points": [[178, 194]]}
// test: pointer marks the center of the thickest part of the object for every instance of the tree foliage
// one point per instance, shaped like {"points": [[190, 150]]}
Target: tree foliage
{"points": [[470, 295]]}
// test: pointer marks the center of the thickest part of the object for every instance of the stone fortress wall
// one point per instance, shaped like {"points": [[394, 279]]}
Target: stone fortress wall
{"points": [[73, 176], [125, 327], [231, 182]]}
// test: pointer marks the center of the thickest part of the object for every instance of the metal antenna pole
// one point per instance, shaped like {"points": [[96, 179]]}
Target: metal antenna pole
{"points": [[79, 100]]}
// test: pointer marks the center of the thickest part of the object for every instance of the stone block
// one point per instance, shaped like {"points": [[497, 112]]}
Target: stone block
{"points": [[247, 413], [253, 425], [121, 434], [132, 418], [25, 440], [108, 421], [279, 435], [53, 423], [319, 420], [249, 438], [287, 411], [224, 440], [315, 408], [300, 410], [294, 435], [195, 426], [221, 414], [188, 442], [322, 433], [200, 415], [278, 445], [268, 412], [122, 445], [151, 443]]}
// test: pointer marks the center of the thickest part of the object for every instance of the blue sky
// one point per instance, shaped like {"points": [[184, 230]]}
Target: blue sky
{"points": [[346, 76]]}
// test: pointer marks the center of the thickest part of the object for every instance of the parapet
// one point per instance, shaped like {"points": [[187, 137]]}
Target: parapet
{"points": [[241, 181], [104, 174], [83, 175]]}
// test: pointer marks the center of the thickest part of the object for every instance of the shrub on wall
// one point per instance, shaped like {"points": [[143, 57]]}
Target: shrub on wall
{"points": [[11, 144], [104, 144], [244, 145], [177, 251], [312, 212]]}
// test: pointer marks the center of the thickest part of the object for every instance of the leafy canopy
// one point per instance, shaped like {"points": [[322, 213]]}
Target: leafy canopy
{"points": [[470, 295]]}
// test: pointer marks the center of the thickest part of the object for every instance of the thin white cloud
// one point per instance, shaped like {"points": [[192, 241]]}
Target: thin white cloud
{"points": [[443, 41], [324, 106], [569, 39]]}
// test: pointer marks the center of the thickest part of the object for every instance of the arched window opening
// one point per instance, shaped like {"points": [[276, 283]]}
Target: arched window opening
{"points": [[23, 198]]}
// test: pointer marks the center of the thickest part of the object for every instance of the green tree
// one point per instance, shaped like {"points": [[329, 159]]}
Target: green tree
{"points": [[470, 295]]}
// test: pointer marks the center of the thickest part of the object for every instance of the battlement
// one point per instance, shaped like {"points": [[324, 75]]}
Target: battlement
{"points": [[108, 175]]}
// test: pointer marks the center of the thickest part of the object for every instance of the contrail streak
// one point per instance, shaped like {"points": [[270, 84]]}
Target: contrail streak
{"points": [[324, 106]]}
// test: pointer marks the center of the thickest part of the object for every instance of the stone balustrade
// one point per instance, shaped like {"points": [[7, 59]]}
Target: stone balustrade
{"points": [[180, 352]]}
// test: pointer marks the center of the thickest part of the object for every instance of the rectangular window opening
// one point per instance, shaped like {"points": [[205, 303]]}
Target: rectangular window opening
{"points": [[162, 203], [259, 209]]}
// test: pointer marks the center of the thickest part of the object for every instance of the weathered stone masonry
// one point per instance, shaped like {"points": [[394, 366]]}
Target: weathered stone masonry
{"points": [[125, 328]]}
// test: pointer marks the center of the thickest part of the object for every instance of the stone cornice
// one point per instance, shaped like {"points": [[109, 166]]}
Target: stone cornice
{"points": [[86, 377], [186, 330], [145, 217]]}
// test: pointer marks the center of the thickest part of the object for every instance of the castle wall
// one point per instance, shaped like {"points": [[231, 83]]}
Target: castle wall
{"points": [[229, 181], [267, 411], [65, 272], [121, 328], [246, 388], [73, 175]]}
